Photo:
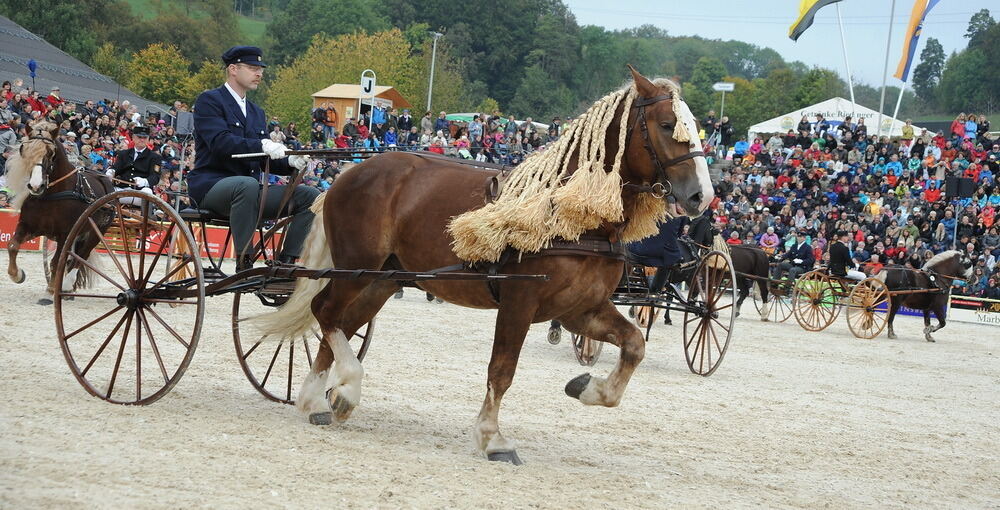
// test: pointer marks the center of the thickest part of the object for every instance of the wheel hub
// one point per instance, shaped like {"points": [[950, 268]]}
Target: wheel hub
{"points": [[129, 299]]}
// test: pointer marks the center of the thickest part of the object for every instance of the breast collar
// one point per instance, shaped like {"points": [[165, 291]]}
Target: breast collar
{"points": [[661, 186]]}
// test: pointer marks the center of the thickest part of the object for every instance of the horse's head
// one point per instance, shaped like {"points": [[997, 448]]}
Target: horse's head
{"points": [[950, 263], [37, 160], [663, 148]]}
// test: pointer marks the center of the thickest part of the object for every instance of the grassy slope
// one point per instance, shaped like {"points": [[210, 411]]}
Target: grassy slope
{"points": [[251, 28]]}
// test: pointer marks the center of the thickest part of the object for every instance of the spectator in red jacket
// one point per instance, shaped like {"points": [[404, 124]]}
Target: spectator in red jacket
{"points": [[932, 193], [53, 99]]}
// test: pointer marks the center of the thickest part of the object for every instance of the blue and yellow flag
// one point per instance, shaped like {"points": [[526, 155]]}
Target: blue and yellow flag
{"points": [[807, 11], [917, 15]]}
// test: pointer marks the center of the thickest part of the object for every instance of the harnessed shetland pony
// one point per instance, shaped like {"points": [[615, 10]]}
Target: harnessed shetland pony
{"points": [[935, 277], [608, 176], [51, 194]]}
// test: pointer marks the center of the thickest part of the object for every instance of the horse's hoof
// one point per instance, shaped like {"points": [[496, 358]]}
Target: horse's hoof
{"points": [[325, 418], [438, 300], [737, 313], [765, 319], [667, 321], [21, 276], [555, 334], [929, 338], [45, 301], [342, 408], [430, 297], [505, 456], [576, 386], [399, 294], [631, 312], [892, 336]]}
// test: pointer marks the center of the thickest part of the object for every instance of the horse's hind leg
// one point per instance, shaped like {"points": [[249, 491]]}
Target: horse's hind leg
{"points": [[513, 321], [359, 302], [940, 309], [15, 273], [606, 324], [893, 309]]}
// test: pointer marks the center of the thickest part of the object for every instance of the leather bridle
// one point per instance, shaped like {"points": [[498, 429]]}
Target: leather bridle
{"points": [[661, 187], [47, 164]]}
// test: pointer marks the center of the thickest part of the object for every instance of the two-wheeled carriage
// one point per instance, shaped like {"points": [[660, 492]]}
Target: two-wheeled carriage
{"points": [[130, 338], [708, 309], [818, 298]]}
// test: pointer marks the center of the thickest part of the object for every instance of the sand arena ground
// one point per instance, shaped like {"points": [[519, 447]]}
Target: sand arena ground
{"points": [[791, 419]]}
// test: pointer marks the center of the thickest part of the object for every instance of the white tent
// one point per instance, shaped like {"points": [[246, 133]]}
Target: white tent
{"points": [[833, 110]]}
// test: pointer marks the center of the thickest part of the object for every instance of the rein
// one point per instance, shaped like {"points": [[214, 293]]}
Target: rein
{"points": [[661, 187]]}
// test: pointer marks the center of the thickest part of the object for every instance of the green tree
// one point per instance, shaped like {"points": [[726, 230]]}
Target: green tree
{"points": [[978, 25], [962, 87], [707, 72], [110, 62], [158, 72], [209, 76], [537, 96], [818, 85], [291, 31], [78, 28], [928, 72]]}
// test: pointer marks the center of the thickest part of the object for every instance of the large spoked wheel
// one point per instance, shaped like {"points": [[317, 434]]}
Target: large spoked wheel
{"points": [[120, 339], [587, 350], [779, 307], [709, 313], [867, 309], [814, 301], [276, 368]]}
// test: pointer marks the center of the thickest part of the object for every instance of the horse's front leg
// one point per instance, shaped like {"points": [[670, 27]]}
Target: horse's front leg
{"points": [[513, 320], [940, 307], [606, 324], [894, 305], [15, 273]]}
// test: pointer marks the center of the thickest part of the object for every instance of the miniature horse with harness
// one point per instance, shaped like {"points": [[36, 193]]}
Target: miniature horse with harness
{"points": [[51, 194], [396, 211], [935, 278]]}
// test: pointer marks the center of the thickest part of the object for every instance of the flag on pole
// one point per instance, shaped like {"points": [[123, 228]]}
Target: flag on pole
{"points": [[917, 15], [807, 11]]}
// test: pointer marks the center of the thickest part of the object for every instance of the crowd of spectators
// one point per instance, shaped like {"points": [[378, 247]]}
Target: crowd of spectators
{"points": [[820, 178], [889, 194]]}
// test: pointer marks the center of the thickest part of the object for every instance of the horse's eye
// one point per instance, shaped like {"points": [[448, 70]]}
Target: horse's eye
{"points": [[666, 125]]}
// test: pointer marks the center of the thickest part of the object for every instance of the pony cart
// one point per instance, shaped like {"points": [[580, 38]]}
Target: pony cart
{"points": [[708, 308], [130, 339]]}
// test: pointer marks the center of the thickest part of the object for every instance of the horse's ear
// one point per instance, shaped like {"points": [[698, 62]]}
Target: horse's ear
{"points": [[643, 86], [54, 131]]}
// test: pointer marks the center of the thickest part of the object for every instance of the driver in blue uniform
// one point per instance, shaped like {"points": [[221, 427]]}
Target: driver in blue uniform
{"points": [[661, 251], [227, 123]]}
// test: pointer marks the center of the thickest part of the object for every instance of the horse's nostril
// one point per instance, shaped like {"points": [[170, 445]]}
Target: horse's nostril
{"points": [[696, 198]]}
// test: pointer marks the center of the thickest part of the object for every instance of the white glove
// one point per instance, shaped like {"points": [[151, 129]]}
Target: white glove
{"points": [[273, 149], [299, 162], [110, 172], [142, 183], [797, 261]]}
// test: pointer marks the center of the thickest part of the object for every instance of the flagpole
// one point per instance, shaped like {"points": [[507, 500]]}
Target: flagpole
{"points": [[847, 63], [885, 72], [898, 100]]}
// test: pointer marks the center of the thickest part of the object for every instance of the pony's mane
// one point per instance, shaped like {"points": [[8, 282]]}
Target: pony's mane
{"points": [[22, 161], [544, 198], [939, 258]]}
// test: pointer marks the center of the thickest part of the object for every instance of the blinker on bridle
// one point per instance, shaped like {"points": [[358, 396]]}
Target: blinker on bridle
{"points": [[46, 168], [661, 187]]}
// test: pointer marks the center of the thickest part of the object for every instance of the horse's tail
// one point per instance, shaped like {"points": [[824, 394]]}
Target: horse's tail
{"points": [[295, 318]]}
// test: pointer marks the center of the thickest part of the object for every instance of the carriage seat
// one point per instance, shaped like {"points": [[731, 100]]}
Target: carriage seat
{"points": [[190, 214]]}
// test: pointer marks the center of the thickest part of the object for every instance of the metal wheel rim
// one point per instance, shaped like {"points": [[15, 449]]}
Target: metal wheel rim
{"points": [[581, 345], [808, 288], [140, 320], [867, 314]]}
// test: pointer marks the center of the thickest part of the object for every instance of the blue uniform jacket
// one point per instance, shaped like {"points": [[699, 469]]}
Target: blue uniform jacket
{"points": [[660, 250], [221, 130], [804, 252]]}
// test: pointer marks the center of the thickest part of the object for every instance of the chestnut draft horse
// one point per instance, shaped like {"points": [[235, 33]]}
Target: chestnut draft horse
{"points": [[393, 212], [51, 194]]}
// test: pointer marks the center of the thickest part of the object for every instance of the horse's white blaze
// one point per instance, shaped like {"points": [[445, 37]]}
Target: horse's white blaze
{"points": [[35, 181], [700, 163]]}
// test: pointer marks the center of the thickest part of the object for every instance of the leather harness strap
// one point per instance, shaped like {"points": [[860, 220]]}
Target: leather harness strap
{"points": [[661, 186]]}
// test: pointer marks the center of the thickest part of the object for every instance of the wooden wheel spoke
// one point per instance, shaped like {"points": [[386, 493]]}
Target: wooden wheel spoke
{"points": [[153, 347], [95, 296], [170, 301], [167, 327], [694, 333], [121, 351], [159, 253], [94, 268], [291, 359], [176, 269], [305, 345], [91, 323], [111, 253], [138, 357], [271, 365], [125, 242], [143, 236], [107, 340], [254, 348]]}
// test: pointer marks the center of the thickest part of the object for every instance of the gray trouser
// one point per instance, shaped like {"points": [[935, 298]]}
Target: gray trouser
{"points": [[238, 198]]}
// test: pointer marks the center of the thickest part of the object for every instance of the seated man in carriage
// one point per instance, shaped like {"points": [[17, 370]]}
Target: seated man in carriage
{"points": [[841, 263], [227, 123], [139, 165], [663, 251], [798, 259]]}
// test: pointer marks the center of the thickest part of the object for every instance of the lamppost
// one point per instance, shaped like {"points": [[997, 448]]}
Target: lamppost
{"points": [[430, 85]]}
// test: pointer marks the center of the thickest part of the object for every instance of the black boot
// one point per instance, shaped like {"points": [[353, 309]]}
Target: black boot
{"points": [[287, 260]]}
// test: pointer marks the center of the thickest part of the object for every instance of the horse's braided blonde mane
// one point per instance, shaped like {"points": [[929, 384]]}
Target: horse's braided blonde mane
{"points": [[22, 161], [544, 198]]}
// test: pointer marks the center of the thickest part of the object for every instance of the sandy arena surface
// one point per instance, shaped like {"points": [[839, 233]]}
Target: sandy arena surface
{"points": [[790, 419]]}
